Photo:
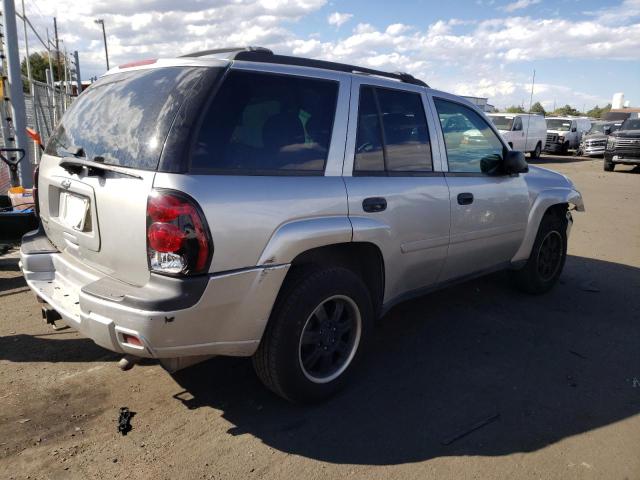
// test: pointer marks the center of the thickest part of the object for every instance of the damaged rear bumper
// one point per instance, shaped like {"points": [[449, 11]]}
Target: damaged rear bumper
{"points": [[218, 314]]}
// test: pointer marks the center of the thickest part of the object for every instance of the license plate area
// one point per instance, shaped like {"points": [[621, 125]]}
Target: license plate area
{"points": [[74, 212]]}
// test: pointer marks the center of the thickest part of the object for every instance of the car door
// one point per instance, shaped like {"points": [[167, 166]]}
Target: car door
{"points": [[518, 135], [398, 197], [489, 210]]}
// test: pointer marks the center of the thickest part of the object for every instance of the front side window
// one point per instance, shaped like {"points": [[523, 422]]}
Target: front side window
{"points": [[517, 125], [392, 136], [472, 147], [267, 124]]}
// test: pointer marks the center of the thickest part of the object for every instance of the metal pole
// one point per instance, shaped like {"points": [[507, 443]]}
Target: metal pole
{"points": [[55, 33], [15, 89], [32, 89], [100, 21], [533, 82], [78, 80]]}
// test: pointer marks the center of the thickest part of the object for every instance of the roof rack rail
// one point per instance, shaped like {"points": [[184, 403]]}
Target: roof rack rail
{"points": [[232, 50], [264, 55]]}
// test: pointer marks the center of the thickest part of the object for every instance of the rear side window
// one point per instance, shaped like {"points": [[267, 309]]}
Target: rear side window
{"points": [[266, 124], [123, 119], [392, 135]]}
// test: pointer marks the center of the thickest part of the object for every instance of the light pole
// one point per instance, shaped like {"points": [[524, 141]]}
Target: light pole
{"points": [[104, 37]]}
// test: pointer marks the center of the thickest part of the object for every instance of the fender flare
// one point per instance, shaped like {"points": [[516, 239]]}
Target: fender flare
{"points": [[544, 200], [293, 238]]}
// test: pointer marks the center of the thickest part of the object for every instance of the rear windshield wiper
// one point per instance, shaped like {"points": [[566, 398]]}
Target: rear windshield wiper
{"points": [[76, 165], [71, 150]]}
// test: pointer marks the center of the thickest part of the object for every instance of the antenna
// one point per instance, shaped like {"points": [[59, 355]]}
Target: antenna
{"points": [[533, 82]]}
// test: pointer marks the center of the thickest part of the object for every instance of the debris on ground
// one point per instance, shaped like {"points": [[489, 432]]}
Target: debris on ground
{"points": [[124, 420], [472, 428], [589, 287], [577, 354]]}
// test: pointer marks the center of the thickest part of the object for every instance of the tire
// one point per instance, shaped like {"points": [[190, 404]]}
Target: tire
{"points": [[536, 153], [608, 165], [548, 255], [565, 148], [294, 359]]}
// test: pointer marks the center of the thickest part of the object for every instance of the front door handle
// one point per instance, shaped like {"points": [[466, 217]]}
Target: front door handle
{"points": [[374, 204], [465, 198]]}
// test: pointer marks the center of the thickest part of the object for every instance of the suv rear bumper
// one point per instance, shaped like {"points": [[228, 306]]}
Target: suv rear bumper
{"points": [[226, 317]]}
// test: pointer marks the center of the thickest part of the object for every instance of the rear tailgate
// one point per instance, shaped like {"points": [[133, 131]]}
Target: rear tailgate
{"points": [[97, 215]]}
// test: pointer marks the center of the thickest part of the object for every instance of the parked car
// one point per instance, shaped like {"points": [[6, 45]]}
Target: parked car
{"points": [[522, 131], [565, 133], [623, 146], [595, 140], [266, 206]]}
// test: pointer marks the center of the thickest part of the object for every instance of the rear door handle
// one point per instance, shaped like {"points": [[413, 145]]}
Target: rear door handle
{"points": [[374, 204], [465, 198]]}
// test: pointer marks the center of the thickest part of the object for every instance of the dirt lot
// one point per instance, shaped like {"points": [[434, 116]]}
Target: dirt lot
{"points": [[562, 371]]}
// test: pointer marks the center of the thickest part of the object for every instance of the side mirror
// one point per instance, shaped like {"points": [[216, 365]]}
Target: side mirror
{"points": [[606, 130], [573, 129], [514, 162]]}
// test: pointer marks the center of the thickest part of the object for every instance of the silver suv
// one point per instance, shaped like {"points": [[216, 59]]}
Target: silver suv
{"points": [[243, 203]]}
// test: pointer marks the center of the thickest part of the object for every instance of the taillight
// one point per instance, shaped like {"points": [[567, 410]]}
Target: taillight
{"points": [[36, 203], [178, 238]]}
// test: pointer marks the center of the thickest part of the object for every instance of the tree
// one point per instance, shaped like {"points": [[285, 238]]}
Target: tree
{"points": [[567, 110], [39, 62], [515, 109], [597, 112], [538, 108]]}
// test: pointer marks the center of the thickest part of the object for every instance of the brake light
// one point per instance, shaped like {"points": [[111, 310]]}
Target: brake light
{"points": [[138, 63], [178, 238]]}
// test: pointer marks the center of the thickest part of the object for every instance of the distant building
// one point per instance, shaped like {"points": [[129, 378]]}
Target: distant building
{"points": [[482, 103]]}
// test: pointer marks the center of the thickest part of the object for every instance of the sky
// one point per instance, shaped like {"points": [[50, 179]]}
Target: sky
{"points": [[582, 51]]}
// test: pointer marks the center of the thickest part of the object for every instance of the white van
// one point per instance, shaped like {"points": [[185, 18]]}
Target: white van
{"points": [[564, 133], [525, 132]]}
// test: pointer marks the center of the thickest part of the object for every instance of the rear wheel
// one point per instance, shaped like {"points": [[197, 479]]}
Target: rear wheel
{"points": [[536, 153], [315, 335], [549, 252]]}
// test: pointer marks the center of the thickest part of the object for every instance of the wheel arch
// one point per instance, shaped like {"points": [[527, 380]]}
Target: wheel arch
{"points": [[558, 201], [363, 258]]}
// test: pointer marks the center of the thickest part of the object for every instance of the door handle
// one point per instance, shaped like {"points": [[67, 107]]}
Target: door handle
{"points": [[465, 198], [374, 204]]}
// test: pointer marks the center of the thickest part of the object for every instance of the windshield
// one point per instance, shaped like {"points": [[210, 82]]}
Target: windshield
{"points": [[558, 124], [502, 123], [631, 124], [124, 118], [599, 127]]}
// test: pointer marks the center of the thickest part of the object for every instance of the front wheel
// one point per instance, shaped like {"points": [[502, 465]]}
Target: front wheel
{"points": [[608, 165], [549, 252], [315, 335], [565, 148]]}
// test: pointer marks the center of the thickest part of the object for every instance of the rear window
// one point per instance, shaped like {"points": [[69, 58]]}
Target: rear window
{"points": [[266, 124], [123, 119]]}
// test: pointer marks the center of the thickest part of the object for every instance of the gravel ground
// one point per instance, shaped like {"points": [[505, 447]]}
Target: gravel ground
{"points": [[559, 374]]}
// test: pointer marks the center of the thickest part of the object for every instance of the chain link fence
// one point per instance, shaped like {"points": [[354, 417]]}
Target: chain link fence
{"points": [[44, 109]]}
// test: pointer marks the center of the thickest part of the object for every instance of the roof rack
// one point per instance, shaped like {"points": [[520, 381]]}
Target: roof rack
{"points": [[232, 50], [264, 55]]}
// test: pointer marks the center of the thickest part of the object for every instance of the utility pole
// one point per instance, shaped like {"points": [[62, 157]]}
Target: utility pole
{"points": [[18, 117], [100, 21], [32, 89], [55, 33]]}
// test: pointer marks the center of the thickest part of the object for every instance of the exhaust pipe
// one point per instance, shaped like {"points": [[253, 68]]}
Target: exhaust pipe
{"points": [[50, 316]]}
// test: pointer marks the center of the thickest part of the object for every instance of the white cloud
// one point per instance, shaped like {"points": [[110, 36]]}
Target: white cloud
{"points": [[473, 57], [519, 4], [338, 19]]}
